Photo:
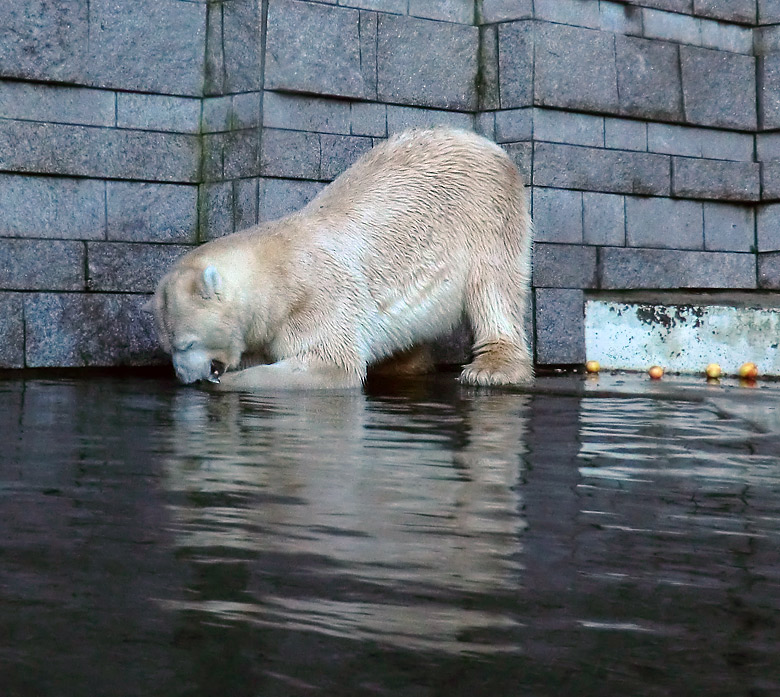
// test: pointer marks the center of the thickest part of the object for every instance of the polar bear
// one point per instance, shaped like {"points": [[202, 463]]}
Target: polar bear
{"points": [[427, 226]]}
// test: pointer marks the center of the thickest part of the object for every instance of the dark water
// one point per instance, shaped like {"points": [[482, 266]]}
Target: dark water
{"points": [[422, 540]]}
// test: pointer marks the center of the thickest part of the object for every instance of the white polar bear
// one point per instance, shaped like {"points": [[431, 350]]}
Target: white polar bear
{"points": [[425, 227]]}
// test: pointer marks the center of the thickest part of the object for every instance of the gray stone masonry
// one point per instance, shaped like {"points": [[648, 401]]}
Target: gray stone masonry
{"points": [[648, 132], [769, 271]]}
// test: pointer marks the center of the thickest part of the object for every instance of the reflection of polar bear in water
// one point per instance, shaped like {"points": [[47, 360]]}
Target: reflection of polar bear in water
{"points": [[398, 518], [427, 226]]}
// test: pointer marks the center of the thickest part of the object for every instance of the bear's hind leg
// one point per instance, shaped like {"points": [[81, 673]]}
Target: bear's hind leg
{"points": [[501, 354], [498, 362]]}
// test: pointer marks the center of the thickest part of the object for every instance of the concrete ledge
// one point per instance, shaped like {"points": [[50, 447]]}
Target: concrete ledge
{"points": [[681, 337]]}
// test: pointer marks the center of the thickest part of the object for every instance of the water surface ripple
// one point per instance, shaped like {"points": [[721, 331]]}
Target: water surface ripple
{"points": [[418, 539]]}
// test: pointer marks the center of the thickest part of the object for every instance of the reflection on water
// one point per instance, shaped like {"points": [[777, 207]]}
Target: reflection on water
{"points": [[415, 540], [385, 511]]}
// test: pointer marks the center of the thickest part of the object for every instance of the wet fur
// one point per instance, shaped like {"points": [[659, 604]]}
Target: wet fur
{"points": [[425, 227]]}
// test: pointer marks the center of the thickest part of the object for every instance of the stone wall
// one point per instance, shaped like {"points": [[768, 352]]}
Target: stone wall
{"points": [[648, 130]]}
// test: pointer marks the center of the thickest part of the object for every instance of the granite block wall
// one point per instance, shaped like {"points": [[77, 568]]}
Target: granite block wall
{"points": [[648, 132]]}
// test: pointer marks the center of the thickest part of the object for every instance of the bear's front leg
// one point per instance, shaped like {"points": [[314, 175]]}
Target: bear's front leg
{"points": [[289, 374]]}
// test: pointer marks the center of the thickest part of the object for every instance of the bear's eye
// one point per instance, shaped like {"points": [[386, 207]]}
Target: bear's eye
{"points": [[184, 347]]}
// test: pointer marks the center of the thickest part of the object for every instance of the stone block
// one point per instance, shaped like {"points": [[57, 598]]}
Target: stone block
{"points": [[461, 11], [246, 110], [557, 215], [670, 26], [627, 268], [522, 155], [516, 64], [729, 10], [504, 10], [145, 212], [43, 40], [769, 91], [728, 145], [211, 166], [147, 45], [84, 329], [766, 40], [514, 125], [215, 206], [674, 140], [681, 6], [241, 154], [305, 113], [716, 179], [242, 34], [231, 155], [581, 13], [564, 266], [768, 11], [664, 223], [619, 18], [768, 146], [770, 181], [129, 267], [398, 7], [485, 124], [214, 63], [560, 326], [729, 228], [41, 265], [604, 219], [53, 208], [622, 134], [98, 152], [727, 37], [574, 68], [567, 127], [154, 112], [39, 102], [594, 169], [339, 152], [246, 197], [719, 88], [648, 75], [698, 142], [320, 49], [768, 228], [11, 331], [427, 63], [368, 119], [488, 96], [399, 118], [768, 271], [290, 154], [279, 197], [217, 114]]}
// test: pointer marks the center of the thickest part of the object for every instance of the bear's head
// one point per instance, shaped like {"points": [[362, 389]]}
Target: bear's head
{"points": [[195, 324]]}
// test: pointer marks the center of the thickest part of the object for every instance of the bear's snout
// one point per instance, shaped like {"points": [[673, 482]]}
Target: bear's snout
{"points": [[191, 366]]}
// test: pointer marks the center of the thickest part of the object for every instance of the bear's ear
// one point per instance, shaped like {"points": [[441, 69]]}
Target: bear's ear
{"points": [[211, 283], [148, 306]]}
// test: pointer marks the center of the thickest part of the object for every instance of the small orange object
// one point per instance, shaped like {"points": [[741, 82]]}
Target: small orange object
{"points": [[748, 370], [713, 370], [592, 367], [656, 372]]}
